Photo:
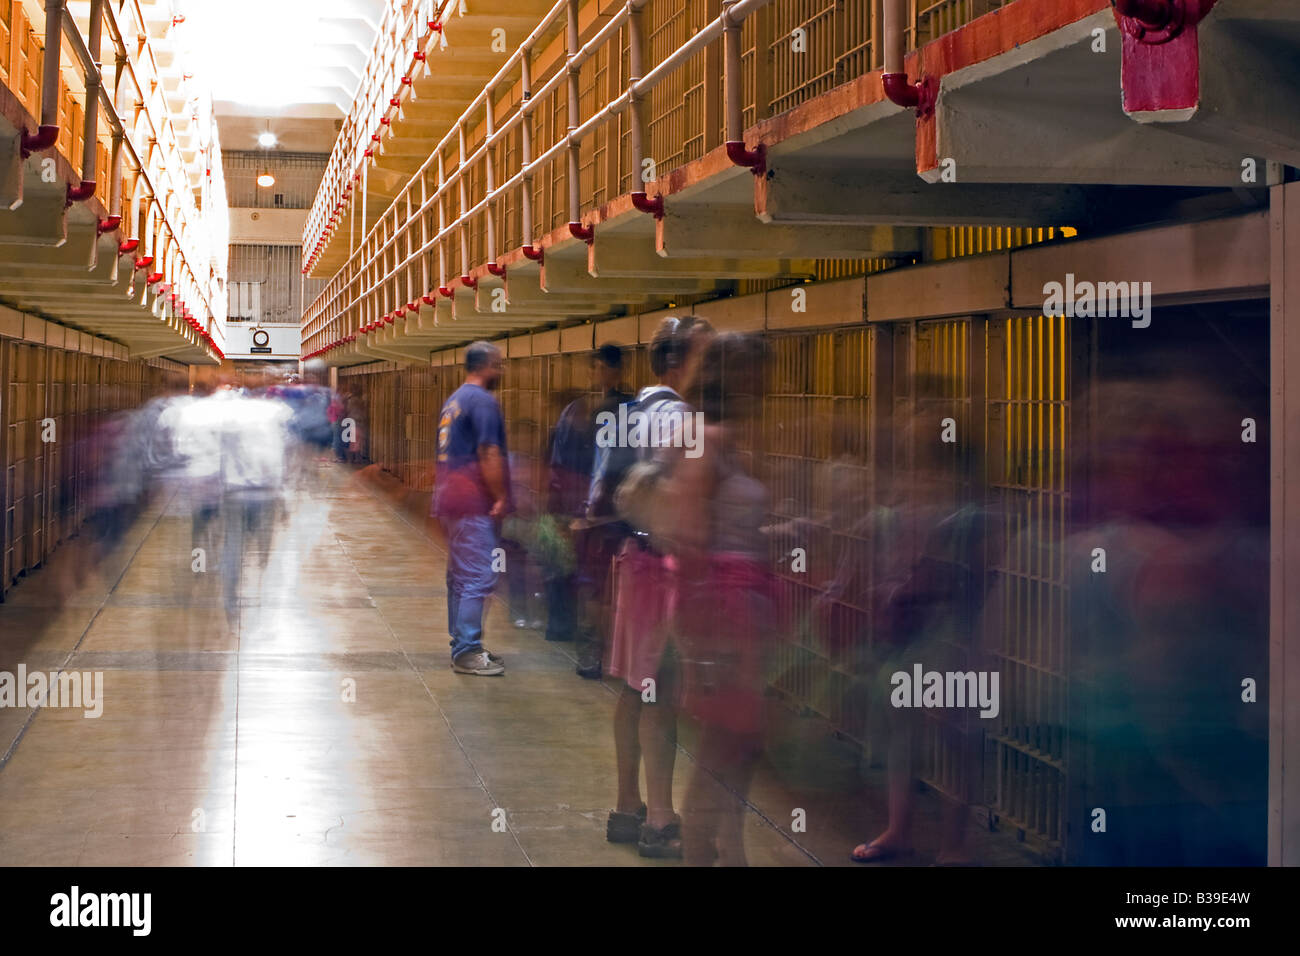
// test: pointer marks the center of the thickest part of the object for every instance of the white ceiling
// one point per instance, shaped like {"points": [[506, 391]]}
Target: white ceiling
{"points": [[291, 66]]}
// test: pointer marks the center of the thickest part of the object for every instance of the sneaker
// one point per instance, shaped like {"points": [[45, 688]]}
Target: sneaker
{"points": [[589, 671], [494, 658], [477, 663]]}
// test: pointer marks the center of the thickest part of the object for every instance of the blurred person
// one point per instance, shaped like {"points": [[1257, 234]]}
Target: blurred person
{"points": [[337, 412], [471, 496], [726, 613], [519, 534], [255, 442], [598, 532], [569, 453], [924, 609], [1167, 585], [192, 426], [355, 411], [640, 653]]}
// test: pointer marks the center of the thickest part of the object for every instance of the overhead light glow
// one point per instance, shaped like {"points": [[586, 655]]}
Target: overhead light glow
{"points": [[267, 140], [265, 179]]}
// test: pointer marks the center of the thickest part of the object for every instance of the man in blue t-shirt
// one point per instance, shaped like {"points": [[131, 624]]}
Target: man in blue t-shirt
{"points": [[471, 495]]}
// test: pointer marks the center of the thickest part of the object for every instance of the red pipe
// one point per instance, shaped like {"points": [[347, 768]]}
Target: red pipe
{"points": [[469, 282], [899, 91], [755, 160], [155, 277], [430, 299], [109, 224], [654, 207], [81, 192], [144, 262], [413, 307], [586, 233], [445, 292], [532, 252], [399, 313], [496, 269], [41, 140], [128, 246], [920, 95], [394, 101]]}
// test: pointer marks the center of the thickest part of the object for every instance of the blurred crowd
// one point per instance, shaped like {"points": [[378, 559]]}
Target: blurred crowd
{"points": [[673, 578], [229, 456], [681, 582]]}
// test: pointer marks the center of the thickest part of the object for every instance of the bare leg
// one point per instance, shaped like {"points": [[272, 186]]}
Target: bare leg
{"points": [[659, 747], [627, 750], [897, 837]]}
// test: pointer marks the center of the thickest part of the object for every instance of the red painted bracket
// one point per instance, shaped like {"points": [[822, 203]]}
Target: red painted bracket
{"points": [[754, 159], [921, 95], [534, 253], [1160, 68], [82, 192], [41, 140], [496, 269], [654, 207], [586, 233]]}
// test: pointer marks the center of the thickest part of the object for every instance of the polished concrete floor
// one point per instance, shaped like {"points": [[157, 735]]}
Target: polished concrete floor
{"points": [[321, 723]]}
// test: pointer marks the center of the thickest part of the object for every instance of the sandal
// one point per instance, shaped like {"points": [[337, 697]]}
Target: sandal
{"points": [[661, 843], [624, 827]]}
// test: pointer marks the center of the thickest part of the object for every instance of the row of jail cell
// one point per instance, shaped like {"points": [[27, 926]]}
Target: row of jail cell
{"points": [[51, 409]]}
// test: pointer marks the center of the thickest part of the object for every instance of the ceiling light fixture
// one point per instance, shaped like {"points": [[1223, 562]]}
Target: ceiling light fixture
{"points": [[266, 140], [265, 179]]}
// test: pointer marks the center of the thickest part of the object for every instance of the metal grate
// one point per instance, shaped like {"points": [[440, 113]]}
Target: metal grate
{"points": [[1027, 414], [266, 285], [297, 177]]}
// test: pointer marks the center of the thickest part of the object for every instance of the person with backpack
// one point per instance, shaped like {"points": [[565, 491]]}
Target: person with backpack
{"points": [[471, 495], [640, 652]]}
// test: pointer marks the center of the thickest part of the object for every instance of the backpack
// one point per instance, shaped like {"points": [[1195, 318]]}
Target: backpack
{"points": [[636, 495]]}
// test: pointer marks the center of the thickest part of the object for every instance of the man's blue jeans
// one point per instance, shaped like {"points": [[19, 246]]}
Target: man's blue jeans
{"points": [[471, 540]]}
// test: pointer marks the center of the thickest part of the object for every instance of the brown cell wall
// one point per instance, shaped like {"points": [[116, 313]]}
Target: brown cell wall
{"points": [[63, 394]]}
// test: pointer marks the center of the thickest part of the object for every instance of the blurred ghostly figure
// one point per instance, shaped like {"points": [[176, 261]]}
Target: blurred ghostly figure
{"points": [[193, 426], [1167, 623], [925, 608], [229, 453], [254, 447], [725, 617], [568, 460]]}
